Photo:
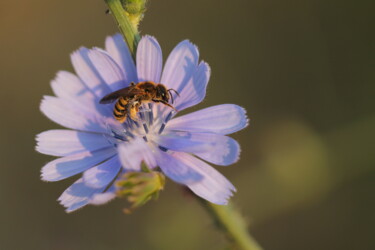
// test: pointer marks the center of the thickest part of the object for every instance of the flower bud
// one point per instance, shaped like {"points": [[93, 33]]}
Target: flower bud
{"points": [[140, 187], [134, 10]]}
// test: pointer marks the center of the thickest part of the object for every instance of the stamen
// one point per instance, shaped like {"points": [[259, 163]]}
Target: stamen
{"points": [[115, 134], [168, 117], [143, 119], [129, 134], [136, 123], [129, 123], [161, 128], [145, 128], [141, 113], [119, 137], [163, 148], [150, 114], [145, 138]]}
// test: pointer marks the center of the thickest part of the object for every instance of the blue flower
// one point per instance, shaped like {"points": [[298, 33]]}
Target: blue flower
{"points": [[101, 148]]}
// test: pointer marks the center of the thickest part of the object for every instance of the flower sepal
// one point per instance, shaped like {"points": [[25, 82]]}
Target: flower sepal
{"points": [[134, 9], [140, 187]]}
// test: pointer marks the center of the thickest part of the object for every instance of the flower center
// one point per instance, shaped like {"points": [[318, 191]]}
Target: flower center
{"points": [[150, 123]]}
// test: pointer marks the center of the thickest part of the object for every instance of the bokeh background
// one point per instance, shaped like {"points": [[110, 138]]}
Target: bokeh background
{"points": [[303, 69]]}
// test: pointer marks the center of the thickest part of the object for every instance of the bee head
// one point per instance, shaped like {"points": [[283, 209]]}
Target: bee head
{"points": [[162, 93]]}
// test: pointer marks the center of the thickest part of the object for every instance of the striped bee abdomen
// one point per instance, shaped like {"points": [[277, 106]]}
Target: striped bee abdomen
{"points": [[120, 110]]}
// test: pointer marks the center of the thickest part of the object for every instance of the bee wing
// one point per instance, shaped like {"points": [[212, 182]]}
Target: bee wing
{"points": [[128, 92]]}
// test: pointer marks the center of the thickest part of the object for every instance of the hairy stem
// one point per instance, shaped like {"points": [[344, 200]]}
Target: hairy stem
{"points": [[228, 219], [128, 30]]}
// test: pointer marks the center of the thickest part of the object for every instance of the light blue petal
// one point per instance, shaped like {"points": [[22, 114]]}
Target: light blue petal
{"points": [[88, 73], [180, 65], [195, 89], [225, 151], [214, 148], [101, 175], [72, 116], [177, 169], [213, 187], [60, 142], [69, 87], [119, 51], [149, 60], [105, 197], [182, 142], [132, 153], [108, 69], [221, 119], [73, 164], [181, 74], [77, 195]]}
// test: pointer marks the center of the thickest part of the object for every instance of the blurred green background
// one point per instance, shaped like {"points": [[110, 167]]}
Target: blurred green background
{"points": [[303, 69]]}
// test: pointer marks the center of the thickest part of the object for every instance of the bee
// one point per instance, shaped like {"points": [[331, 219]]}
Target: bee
{"points": [[129, 99]]}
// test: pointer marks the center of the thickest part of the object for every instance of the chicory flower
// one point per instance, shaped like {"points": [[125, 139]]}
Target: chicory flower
{"points": [[102, 149]]}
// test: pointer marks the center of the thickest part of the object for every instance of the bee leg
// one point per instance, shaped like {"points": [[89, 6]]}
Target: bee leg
{"points": [[133, 114], [132, 111]]}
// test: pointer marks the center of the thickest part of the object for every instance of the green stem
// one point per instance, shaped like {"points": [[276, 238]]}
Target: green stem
{"points": [[231, 221], [128, 30], [227, 217]]}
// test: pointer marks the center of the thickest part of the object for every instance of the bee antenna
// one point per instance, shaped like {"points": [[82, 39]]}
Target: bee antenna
{"points": [[169, 90], [171, 95], [174, 91]]}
